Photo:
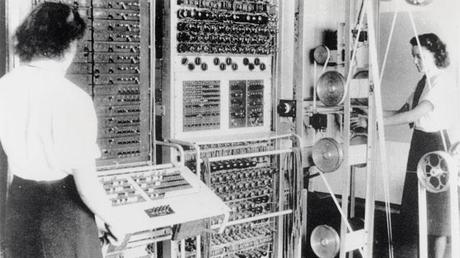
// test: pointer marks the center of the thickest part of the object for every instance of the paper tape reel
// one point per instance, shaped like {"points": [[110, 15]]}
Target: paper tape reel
{"points": [[433, 171]]}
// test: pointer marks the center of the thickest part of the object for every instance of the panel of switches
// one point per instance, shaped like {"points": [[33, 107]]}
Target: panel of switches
{"points": [[201, 105], [121, 191], [246, 103], [108, 66], [159, 211], [154, 184]]}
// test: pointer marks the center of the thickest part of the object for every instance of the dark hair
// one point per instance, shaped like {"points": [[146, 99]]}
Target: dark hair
{"points": [[48, 31], [435, 45]]}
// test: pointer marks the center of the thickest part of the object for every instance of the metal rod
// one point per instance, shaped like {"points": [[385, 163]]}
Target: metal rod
{"points": [[264, 216], [182, 248], [422, 222], [454, 213], [379, 121], [249, 155], [176, 146]]}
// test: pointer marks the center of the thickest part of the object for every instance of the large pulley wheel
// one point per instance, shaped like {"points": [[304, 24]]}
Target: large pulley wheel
{"points": [[433, 171], [324, 241], [330, 88], [327, 154]]}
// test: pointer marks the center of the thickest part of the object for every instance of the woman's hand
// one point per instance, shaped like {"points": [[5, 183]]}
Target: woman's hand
{"points": [[359, 121], [116, 234]]}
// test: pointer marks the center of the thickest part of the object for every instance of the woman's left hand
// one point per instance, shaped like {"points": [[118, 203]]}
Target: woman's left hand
{"points": [[358, 121]]}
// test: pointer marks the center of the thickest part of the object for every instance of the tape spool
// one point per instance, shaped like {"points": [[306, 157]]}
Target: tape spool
{"points": [[419, 2], [324, 241], [433, 171], [320, 54], [330, 88], [327, 154]]}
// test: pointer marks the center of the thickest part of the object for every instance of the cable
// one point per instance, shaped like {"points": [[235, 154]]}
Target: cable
{"points": [[354, 50], [360, 11], [336, 202], [387, 49], [379, 117], [384, 175]]}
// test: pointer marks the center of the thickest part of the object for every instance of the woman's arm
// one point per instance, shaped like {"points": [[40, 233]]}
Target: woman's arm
{"points": [[409, 116], [93, 195], [361, 120]]}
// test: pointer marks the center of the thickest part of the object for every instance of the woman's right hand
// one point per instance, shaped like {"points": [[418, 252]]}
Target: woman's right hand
{"points": [[116, 233]]}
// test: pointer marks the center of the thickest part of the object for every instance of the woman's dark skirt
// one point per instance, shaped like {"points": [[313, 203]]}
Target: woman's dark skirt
{"points": [[48, 219], [437, 203]]}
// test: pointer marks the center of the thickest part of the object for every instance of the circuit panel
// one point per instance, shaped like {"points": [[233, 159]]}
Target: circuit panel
{"points": [[201, 106], [112, 65], [230, 41], [247, 186]]}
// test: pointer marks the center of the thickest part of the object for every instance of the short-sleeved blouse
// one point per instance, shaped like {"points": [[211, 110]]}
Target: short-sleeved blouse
{"points": [[48, 125], [443, 95]]}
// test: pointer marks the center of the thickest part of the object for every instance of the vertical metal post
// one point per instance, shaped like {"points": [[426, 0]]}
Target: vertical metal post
{"points": [[422, 222], [370, 177], [454, 213], [345, 167], [152, 7]]}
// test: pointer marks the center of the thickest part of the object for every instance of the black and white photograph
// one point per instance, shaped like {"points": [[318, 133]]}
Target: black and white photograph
{"points": [[229, 129]]}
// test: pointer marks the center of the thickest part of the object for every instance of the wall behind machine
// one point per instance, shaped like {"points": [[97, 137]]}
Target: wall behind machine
{"points": [[401, 76]]}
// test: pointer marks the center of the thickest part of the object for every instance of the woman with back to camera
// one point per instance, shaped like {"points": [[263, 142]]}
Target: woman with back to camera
{"points": [[48, 129], [430, 110]]}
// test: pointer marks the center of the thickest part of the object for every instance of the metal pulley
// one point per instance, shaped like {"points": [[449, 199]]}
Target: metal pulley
{"points": [[321, 54], [419, 2], [327, 154], [330, 88], [324, 241], [433, 171]]}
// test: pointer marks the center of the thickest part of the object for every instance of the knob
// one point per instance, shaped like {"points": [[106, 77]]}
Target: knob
{"points": [[262, 67]]}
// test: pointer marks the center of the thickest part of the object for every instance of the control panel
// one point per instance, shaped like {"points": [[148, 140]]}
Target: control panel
{"points": [[159, 202], [201, 105], [227, 44], [112, 65]]}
